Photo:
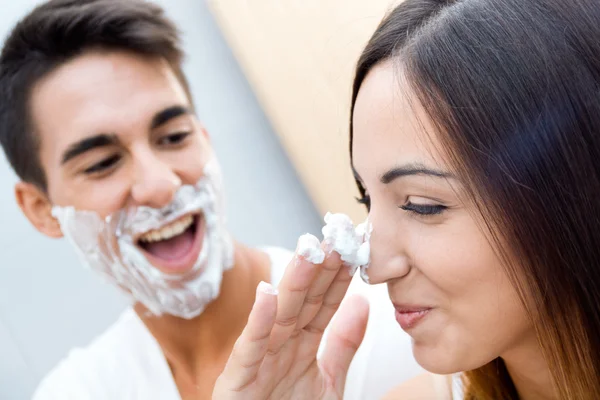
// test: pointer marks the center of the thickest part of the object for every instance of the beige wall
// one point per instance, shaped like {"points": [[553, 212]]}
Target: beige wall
{"points": [[299, 56]]}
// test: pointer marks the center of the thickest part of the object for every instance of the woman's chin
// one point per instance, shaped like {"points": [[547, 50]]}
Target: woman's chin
{"points": [[439, 361]]}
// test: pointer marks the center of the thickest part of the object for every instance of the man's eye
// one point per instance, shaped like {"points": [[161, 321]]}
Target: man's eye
{"points": [[103, 165], [174, 139]]}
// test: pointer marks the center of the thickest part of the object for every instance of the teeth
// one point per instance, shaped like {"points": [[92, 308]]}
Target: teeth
{"points": [[169, 231]]}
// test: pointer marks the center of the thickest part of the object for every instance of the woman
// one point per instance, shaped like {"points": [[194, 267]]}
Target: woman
{"points": [[475, 143]]}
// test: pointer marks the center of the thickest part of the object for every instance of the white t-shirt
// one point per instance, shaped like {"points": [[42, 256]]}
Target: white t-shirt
{"points": [[448, 387], [457, 388], [126, 362]]}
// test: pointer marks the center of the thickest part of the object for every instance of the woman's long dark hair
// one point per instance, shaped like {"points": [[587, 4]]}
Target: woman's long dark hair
{"points": [[513, 89]]}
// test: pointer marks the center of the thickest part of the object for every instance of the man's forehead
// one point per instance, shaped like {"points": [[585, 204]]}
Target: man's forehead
{"points": [[105, 92], [92, 67]]}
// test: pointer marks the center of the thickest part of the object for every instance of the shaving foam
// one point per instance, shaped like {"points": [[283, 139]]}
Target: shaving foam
{"points": [[310, 249], [108, 246], [352, 244], [364, 230]]}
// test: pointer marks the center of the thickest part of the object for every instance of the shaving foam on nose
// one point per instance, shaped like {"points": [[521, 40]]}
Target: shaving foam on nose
{"points": [[364, 230], [310, 249], [352, 244]]}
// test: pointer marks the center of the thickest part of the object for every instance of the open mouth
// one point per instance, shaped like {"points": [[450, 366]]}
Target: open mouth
{"points": [[174, 247]]}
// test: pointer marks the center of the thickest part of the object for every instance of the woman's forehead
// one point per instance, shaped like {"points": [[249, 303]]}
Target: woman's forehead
{"points": [[390, 126]]}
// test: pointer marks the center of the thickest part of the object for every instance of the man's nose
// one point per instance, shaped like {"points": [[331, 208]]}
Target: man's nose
{"points": [[155, 184]]}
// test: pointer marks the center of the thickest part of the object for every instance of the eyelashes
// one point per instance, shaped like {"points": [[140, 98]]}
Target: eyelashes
{"points": [[365, 200], [172, 141], [103, 165], [423, 210]]}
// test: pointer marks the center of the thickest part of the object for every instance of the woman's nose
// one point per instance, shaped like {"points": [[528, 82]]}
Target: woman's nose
{"points": [[388, 256]]}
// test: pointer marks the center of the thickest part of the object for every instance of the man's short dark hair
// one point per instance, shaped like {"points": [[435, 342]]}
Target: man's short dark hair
{"points": [[56, 32]]}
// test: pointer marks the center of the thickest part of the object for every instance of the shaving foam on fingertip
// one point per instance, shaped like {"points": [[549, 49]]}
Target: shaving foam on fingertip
{"points": [[267, 288], [352, 244], [309, 248]]}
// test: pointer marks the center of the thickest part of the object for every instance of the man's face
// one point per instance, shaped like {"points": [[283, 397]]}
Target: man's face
{"points": [[117, 132], [132, 179]]}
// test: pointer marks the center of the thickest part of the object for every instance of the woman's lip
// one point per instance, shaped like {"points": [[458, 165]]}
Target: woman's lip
{"points": [[409, 316], [405, 308]]}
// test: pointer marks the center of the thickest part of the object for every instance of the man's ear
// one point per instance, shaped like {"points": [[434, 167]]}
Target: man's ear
{"points": [[36, 206]]}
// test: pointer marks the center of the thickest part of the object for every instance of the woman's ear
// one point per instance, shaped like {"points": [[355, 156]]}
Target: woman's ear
{"points": [[36, 206]]}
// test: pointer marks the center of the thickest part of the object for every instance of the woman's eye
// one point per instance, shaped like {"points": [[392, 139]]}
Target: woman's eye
{"points": [[174, 139], [365, 200], [103, 165], [423, 209]]}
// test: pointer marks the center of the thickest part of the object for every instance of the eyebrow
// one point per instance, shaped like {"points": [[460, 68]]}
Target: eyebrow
{"points": [[164, 116], [87, 144], [412, 169], [407, 170], [104, 139]]}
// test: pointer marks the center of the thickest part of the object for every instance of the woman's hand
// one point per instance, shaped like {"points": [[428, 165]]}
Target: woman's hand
{"points": [[275, 356]]}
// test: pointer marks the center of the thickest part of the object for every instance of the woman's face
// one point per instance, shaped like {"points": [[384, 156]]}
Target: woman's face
{"points": [[451, 293]]}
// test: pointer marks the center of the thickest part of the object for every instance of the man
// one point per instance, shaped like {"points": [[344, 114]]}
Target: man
{"points": [[97, 121]]}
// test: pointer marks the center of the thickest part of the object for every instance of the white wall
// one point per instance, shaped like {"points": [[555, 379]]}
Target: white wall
{"points": [[49, 303]]}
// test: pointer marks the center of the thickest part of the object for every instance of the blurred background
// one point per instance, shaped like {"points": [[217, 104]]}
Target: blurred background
{"points": [[271, 81]]}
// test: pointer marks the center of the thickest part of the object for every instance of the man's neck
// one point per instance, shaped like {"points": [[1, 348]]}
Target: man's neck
{"points": [[190, 345]]}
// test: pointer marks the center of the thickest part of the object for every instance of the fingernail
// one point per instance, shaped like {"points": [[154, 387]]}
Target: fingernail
{"points": [[267, 288]]}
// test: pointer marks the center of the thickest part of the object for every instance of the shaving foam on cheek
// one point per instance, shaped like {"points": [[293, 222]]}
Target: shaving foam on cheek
{"points": [[310, 249], [352, 244], [109, 246]]}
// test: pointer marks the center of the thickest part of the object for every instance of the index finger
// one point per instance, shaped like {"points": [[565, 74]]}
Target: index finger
{"points": [[297, 279]]}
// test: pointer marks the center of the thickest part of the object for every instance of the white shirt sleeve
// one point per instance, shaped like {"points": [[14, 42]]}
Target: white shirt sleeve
{"points": [[51, 388], [68, 382], [125, 362]]}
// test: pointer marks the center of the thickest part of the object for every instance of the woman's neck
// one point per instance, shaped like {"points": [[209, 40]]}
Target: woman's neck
{"points": [[529, 371]]}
